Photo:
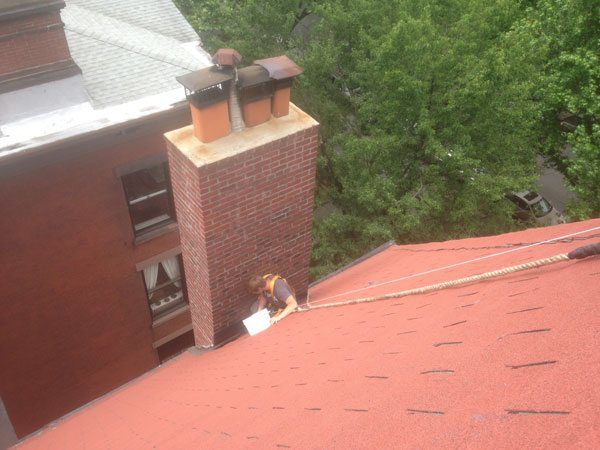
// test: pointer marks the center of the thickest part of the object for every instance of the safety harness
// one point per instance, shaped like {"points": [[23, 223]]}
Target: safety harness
{"points": [[274, 303], [271, 282]]}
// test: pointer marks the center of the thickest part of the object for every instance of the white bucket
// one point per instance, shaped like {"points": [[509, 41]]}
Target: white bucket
{"points": [[257, 322]]}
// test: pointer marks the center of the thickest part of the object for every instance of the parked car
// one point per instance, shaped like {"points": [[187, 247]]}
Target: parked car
{"points": [[532, 207]]}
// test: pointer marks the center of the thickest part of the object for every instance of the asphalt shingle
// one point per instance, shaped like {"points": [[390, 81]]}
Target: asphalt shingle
{"points": [[123, 52], [159, 16]]}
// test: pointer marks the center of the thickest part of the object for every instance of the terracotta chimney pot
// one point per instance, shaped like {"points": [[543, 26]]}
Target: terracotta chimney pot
{"points": [[280, 105], [283, 70], [208, 93], [255, 89]]}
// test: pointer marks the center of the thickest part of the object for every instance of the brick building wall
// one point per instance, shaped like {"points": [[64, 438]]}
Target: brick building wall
{"points": [[75, 319], [32, 41], [248, 213]]}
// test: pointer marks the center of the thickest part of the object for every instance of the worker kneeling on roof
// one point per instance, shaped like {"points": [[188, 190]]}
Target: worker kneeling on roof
{"points": [[275, 294]]}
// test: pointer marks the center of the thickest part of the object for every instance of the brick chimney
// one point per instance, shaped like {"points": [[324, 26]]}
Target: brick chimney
{"points": [[244, 206], [32, 44]]}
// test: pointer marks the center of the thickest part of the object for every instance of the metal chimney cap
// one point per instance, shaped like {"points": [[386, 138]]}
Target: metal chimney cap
{"points": [[280, 67], [227, 57], [204, 78], [252, 76]]}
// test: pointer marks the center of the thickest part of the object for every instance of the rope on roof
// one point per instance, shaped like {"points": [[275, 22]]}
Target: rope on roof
{"points": [[579, 253], [447, 284], [480, 258]]}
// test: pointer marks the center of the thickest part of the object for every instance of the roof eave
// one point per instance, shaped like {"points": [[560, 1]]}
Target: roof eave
{"points": [[79, 138]]}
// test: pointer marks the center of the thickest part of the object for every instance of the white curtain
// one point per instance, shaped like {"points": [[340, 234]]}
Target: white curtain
{"points": [[171, 266], [151, 276]]}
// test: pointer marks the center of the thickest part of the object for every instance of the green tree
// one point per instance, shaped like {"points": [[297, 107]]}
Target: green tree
{"points": [[564, 40], [430, 111], [442, 124]]}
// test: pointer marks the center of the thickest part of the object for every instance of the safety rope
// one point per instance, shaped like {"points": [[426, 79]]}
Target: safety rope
{"points": [[438, 269], [446, 284]]}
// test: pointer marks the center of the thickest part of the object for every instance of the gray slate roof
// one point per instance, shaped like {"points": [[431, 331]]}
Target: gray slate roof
{"points": [[130, 49], [158, 16]]}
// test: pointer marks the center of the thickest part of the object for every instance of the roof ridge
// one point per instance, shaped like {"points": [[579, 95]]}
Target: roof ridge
{"points": [[127, 36], [161, 16]]}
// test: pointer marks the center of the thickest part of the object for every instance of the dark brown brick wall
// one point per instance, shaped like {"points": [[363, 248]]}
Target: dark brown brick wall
{"points": [[31, 42], [176, 346], [176, 323], [250, 213], [75, 320]]}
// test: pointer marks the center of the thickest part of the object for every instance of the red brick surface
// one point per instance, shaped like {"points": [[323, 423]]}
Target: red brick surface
{"points": [[186, 193], [31, 42], [75, 318], [243, 215]]}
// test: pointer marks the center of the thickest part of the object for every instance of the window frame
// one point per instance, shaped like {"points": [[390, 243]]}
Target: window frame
{"points": [[183, 288], [141, 235]]}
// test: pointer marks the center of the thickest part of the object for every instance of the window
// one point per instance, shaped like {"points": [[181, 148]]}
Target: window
{"points": [[164, 286], [149, 198], [541, 208], [531, 196], [522, 204]]}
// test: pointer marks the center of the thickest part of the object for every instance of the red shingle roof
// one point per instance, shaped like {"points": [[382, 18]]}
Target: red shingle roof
{"points": [[509, 362]]}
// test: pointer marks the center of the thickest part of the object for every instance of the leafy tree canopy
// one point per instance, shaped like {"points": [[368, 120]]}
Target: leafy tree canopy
{"points": [[563, 38], [431, 111]]}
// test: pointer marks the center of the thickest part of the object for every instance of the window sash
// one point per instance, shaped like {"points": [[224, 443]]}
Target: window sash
{"points": [[142, 183], [148, 196], [157, 310], [151, 222], [158, 300], [160, 286], [153, 208], [171, 295]]}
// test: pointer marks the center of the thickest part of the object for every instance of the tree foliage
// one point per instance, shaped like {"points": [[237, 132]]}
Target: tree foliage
{"points": [[431, 111], [564, 41]]}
